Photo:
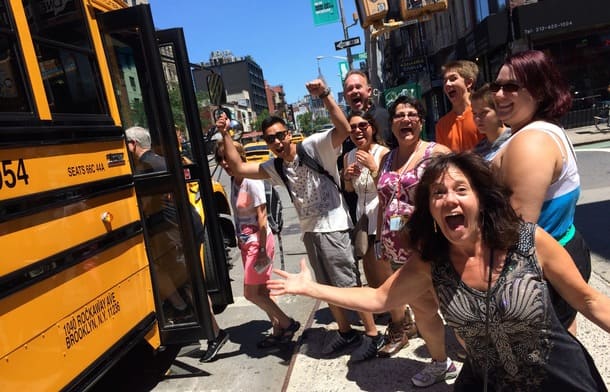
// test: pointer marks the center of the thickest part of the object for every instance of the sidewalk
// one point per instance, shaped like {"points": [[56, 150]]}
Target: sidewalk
{"points": [[586, 135]]}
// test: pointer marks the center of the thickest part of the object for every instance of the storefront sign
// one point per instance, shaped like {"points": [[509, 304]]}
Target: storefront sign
{"points": [[559, 16]]}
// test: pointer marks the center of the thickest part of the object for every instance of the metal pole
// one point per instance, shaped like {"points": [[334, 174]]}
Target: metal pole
{"points": [[345, 35]]}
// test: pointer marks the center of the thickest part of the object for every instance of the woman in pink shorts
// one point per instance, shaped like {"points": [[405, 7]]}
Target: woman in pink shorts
{"points": [[257, 246]]}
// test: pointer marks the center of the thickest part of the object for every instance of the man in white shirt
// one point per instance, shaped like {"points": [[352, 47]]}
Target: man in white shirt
{"points": [[322, 212]]}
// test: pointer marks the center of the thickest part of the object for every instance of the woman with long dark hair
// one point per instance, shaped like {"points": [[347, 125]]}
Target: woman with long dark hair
{"points": [[489, 270]]}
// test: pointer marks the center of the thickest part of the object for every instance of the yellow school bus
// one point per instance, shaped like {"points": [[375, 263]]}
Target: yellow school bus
{"points": [[98, 255]]}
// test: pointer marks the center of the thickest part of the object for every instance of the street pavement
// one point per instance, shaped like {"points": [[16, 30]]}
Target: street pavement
{"points": [[242, 367]]}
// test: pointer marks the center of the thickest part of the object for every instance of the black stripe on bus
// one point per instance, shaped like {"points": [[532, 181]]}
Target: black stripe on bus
{"points": [[25, 277], [106, 361], [27, 205], [26, 136]]}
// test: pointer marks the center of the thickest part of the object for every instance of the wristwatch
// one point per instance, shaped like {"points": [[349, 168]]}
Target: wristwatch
{"points": [[325, 93]]}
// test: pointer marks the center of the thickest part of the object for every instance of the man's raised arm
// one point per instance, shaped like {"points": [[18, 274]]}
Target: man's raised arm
{"points": [[341, 132]]}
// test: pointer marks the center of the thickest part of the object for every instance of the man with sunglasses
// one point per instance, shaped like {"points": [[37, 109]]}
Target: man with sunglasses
{"points": [[321, 209], [457, 129]]}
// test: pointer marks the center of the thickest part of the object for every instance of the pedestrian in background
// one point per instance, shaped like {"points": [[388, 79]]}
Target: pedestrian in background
{"points": [[257, 245], [487, 122], [457, 129], [489, 270], [321, 210], [400, 171], [538, 162]]}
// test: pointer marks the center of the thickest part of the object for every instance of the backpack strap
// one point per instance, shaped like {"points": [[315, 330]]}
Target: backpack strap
{"points": [[278, 164], [311, 163]]}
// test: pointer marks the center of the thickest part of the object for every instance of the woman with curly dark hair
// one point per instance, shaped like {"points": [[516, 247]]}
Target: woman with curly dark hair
{"points": [[490, 271]]}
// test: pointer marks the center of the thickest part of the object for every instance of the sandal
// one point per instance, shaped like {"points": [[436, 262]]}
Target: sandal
{"points": [[270, 341], [288, 333], [284, 336]]}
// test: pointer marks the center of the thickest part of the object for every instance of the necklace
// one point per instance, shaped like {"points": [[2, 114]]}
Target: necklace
{"points": [[406, 164]]}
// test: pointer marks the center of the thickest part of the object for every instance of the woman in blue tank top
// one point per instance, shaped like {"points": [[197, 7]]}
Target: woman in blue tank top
{"points": [[538, 162]]}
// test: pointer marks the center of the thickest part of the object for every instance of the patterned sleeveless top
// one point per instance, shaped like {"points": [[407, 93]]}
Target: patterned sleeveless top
{"points": [[396, 197], [528, 348], [364, 186]]}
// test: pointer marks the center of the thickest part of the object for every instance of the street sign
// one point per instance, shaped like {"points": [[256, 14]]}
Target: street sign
{"points": [[343, 69], [359, 56], [324, 12], [346, 43]]}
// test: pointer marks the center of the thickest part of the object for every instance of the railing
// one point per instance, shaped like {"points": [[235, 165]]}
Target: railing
{"points": [[583, 110]]}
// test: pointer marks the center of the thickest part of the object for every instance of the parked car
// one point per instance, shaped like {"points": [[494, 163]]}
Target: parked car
{"points": [[297, 137]]}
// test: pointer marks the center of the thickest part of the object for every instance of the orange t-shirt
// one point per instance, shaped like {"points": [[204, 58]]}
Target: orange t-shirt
{"points": [[458, 132]]}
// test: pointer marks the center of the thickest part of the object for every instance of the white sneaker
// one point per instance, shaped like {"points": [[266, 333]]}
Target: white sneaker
{"points": [[434, 372]]}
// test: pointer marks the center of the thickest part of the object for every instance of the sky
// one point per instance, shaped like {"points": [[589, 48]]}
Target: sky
{"points": [[279, 35]]}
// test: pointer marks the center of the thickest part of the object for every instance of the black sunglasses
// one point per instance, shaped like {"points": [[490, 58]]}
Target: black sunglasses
{"points": [[363, 125], [509, 87], [281, 135]]}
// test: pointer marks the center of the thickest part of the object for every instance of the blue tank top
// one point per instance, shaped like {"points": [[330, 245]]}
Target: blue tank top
{"points": [[557, 212]]}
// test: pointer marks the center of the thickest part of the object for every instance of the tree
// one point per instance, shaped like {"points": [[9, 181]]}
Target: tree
{"points": [[309, 125], [256, 125]]}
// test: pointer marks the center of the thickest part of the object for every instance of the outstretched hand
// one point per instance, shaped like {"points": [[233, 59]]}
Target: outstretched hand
{"points": [[291, 283]]}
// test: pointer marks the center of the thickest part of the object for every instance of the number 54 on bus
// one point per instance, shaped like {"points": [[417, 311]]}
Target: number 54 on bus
{"points": [[102, 249]]}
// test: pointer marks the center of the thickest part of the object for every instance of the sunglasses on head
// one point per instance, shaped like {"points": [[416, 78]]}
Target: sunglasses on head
{"points": [[508, 87], [363, 125], [281, 135]]}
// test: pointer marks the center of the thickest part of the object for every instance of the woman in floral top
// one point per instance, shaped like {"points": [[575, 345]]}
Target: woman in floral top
{"points": [[400, 171]]}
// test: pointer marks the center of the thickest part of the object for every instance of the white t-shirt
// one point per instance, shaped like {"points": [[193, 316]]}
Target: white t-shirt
{"points": [[318, 202], [244, 200]]}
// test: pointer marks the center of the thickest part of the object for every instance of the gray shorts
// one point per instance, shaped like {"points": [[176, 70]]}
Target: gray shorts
{"points": [[332, 259]]}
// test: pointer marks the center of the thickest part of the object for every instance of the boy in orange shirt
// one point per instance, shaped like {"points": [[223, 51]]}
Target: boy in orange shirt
{"points": [[457, 129]]}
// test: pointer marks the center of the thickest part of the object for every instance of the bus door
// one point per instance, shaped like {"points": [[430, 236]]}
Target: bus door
{"points": [[185, 109], [173, 229]]}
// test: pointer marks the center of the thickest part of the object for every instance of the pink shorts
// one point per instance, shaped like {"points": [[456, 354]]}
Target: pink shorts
{"points": [[249, 254]]}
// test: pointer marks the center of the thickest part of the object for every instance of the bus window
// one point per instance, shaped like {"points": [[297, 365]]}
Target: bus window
{"points": [[66, 58], [167, 259], [13, 96]]}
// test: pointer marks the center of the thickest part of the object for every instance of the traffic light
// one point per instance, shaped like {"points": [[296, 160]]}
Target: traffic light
{"points": [[371, 11], [417, 9], [382, 14]]}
